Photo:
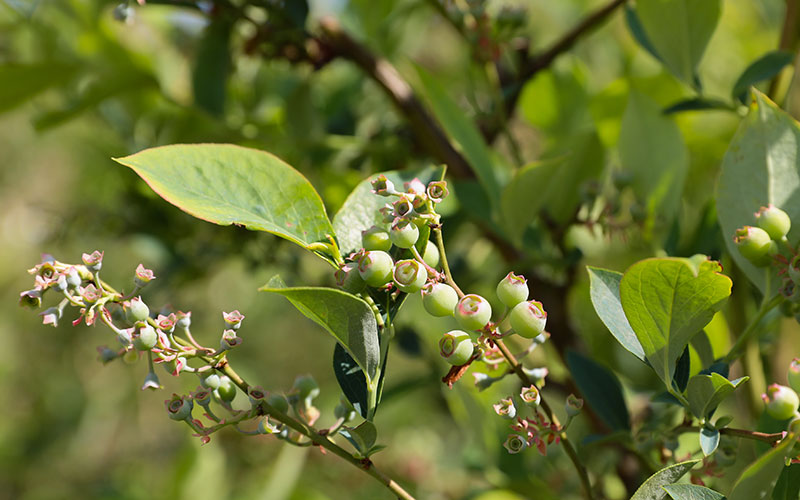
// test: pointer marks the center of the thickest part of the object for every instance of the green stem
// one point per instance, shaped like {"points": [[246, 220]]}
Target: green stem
{"points": [[766, 306], [437, 232], [565, 442]]}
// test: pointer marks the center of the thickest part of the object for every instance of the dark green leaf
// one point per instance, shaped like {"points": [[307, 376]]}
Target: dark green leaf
{"points": [[637, 30], [692, 492], [698, 104], [227, 184], [682, 367], [763, 68], [604, 289], [351, 379], [758, 480], [709, 440], [652, 488], [601, 390], [212, 65]]}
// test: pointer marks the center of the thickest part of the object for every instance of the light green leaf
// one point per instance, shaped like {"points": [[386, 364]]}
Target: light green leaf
{"points": [[604, 290], [20, 82], [652, 488], [348, 318], [758, 480], [679, 31], [692, 492], [227, 184], [652, 149], [463, 133], [706, 392], [667, 301], [360, 209], [761, 166], [709, 440]]}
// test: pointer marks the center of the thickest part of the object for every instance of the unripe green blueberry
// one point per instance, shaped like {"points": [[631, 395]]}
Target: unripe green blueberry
{"points": [[528, 319], [145, 338], [349, 279], [472, 312], [376, 268], [409, 275], [431, 255], [279, 402], [226, 390], [306, 387], [137, 310], [456, 347], [774, 221], [376, 238], [404, 234], [212, 381], [439, 299], [179, 407], [782, 402], [755, 245], [512, 290], [794, 375]]}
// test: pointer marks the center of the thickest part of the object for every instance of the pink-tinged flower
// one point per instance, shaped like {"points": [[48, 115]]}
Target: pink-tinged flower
{"points": [[166, 323], [573, 405], [51, 316], [74, 279], [179, 407], [184, 319], [151, 381], [437, 191], [505, 408], [402, 208], [93, 261], [233, 319], [90, 293], [229, 340], [515, 443], [177, 365], [414, 186], [202, 396], [382, 186], [31, 298], [530, 395], [143, 276]]}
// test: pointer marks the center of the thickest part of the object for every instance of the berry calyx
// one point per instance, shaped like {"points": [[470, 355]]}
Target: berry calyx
{"points": [[409, 275], [404, 234], [179, 407], [528, 319], [512, 290], [755, 245], [456, 347], [439, 299], [375, 268], [781, 401], [376, 238], [774, 221], [473, 312]]}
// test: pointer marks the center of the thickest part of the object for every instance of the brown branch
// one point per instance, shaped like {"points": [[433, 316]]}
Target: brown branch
{"points": [[423, 125], [764, 437], [788, 41]]}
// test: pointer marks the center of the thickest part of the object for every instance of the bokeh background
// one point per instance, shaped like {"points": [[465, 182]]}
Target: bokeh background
{"points": [[79, 86]]}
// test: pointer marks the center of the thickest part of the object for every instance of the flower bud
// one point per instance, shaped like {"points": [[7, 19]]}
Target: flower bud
{"points": [[137, 310], [61, 283], [143, 276], [145, 338], [528, 319], [179, 407], [573, 405], [439, 299], [376, 238], [376, 268], [151, 381], [512, 290], [73, 277], [233, 319], [409, 275], [781, 401], [229, 340], [226, 390], [414, 186], [530, 395], [50, 316], [505, 408], [93, 261], [31, 298], [515, 443], [473, 312], [456, 347], [755, 245], [212, 381], [774, 221]]}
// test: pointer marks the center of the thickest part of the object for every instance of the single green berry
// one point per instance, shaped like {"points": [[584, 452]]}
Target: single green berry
{"points": [[306, 387], [528, 319], [755, 245], [279, 402], [376, 268], [226, 390], [137, 310], [473, 312], [512, 290], [431, 255], [782, 402], [212, 381], [145, 338], [179, 407], [349, 279], [456, 347], [409, 275], [439, 299], [774, 221], [376, 238], [404, 234], [794, 375]]}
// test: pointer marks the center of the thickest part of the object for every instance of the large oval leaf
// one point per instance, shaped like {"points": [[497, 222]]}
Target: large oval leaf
{"points": [[761, 166], [227, 184], [667, 301], [652, 488], [692, 492]]}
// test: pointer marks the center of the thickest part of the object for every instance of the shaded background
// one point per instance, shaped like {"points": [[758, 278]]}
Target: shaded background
{"points": [[94, 87]]}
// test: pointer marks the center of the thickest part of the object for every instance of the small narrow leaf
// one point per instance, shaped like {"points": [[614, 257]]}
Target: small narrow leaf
{"points": [[763, 68], [351, 380], [698, 104], [601, 390], [692, 492], [709, 440], [706, 392], [652, 488], [604, 289]]}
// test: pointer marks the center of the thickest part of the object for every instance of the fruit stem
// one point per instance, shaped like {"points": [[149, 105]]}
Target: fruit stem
{"points": [[437, 231]]}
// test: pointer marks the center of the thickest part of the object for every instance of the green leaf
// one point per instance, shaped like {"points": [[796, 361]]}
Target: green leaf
{"points": [[758, 480], [706, 392], [679, 31], [652, 150], [212, 66], [604, 290], [788, 485], [709, 440], [21, 82], [763, 68], [692, 492], [698, 104], [463, 133], [227, 184], [360, 209], [761, 166], [667, 301], [346, 317], [601, 390], [637, 30], [652, 488], [351, 379]]}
